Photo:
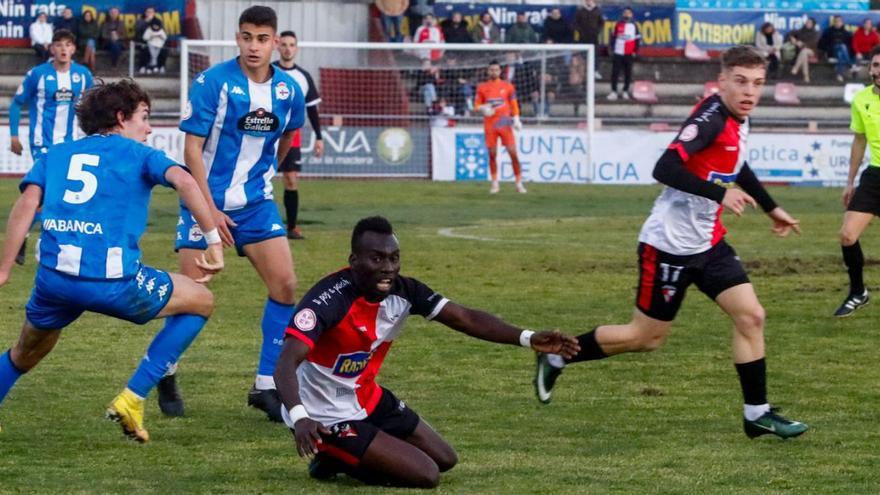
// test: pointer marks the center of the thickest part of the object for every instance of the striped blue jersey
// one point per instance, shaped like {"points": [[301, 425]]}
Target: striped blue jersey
{"points": [[51, 97], [241, 121], [96, 193]]}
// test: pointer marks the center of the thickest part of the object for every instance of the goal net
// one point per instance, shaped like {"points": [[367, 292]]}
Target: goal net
{"points": [[390, 109]]}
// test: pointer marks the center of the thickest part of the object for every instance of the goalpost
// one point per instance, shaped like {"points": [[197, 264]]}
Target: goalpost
{"points": [[381, 101]]}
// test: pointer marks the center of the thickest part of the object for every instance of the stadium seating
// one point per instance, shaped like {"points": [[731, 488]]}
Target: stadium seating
{"points": [[710, 88], [785, 93], [850, 90], [644, 92], [693, 52]]}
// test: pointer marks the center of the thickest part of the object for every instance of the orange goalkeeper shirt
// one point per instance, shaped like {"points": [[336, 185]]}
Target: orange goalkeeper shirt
{"points": [[501, 95]]}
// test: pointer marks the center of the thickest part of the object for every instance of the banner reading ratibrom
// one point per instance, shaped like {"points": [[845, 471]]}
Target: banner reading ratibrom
{"points": [[16, 16], [628, 157]]}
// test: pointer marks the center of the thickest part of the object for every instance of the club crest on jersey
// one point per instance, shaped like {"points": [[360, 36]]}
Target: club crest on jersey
{"points": [[688, 133], [723, 180], [258, 122], [282, 92], [305, 320], [668, 292], [63, 95], [188, 111], [75, 78], [351, 365]]}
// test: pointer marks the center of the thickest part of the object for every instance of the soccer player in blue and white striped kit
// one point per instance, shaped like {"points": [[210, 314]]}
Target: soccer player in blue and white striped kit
{"points": [[51, 91], [95, 195], [238, 123]]}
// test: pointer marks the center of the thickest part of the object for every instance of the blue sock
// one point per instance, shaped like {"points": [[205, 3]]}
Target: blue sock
{"points": [[168, 345], [276, 317], [8, 374]]}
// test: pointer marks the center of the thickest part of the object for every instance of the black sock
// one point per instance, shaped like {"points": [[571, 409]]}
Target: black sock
{"points": [[291, 206], [753, 380], [590, 349], [854, 261]]}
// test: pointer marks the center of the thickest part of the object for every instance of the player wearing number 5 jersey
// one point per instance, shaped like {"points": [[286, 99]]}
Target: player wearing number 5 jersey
{"points": [[240, 118], [95, 195], [682, 243]]}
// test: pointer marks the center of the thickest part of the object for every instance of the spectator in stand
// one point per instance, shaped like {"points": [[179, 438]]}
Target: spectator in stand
{"points": [[428, 32], [768, 41], [836, 42], [455, 29], [524, 78], [806, 40], [624, 45], [113, 35], [155, 38], [391, 12], [458, 88], [486, 31], [556, 30], [588, 24], [864, 40], [521, 31], [428, 81], [87, 39], [41, 36], [140, 27], [68, 22], [417, 10]]}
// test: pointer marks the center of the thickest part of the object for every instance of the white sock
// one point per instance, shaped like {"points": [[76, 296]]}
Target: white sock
{"points": [[556, 361], [752, 412], [171, 370], [264, 382]]}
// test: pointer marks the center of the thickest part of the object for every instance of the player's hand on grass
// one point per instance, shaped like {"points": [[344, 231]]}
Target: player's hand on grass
{"points": [[15, 145], [319, 148], [736, 201], [223, 223], [848, 194], [210, 262], [307, 433], [555, 342], [783, 223]]}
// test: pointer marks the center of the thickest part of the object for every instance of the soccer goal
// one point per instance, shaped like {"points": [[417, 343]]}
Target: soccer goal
{"points": [[383, 105]]}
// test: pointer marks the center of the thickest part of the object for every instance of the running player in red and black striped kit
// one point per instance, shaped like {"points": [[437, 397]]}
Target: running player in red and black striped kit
{"points": [[682, 243]]}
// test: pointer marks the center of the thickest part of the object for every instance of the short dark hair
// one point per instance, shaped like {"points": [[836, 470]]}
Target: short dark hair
{"points": [[742, 56], [377, 224], [259, 15], [63, 34], [287, 33], [874, 52], [98, 107], [493, 62]]}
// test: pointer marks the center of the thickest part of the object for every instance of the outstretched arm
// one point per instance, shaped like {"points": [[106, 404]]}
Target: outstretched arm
{"points": [[192, 157], [20, 219], [306, 431], [488, 327], [188, 189], [783, 223]]}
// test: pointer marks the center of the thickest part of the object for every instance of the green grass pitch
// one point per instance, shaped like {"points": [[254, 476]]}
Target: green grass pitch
{"points": [[559, 257]]}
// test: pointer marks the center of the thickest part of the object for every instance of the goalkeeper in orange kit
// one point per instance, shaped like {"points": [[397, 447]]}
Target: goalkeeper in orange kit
{"points": [[496, 100]]}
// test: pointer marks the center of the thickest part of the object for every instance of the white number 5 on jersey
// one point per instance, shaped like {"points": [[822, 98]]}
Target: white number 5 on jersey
{"points": [[88, 179]]}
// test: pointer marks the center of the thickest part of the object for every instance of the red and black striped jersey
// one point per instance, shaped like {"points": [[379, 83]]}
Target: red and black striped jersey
{"points": [[349, 338], [712, 145]]}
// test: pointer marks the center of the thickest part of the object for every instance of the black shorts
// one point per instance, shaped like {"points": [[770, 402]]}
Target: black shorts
{"points": [[664, 278], [292, 162], [867, 196], [348, 441]]}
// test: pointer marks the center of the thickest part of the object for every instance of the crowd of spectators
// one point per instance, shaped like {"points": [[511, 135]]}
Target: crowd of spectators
{"points": [[108, 33]]}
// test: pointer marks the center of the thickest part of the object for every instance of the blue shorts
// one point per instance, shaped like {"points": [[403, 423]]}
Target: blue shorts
{"points": [[58, 299], [256, 223]]}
